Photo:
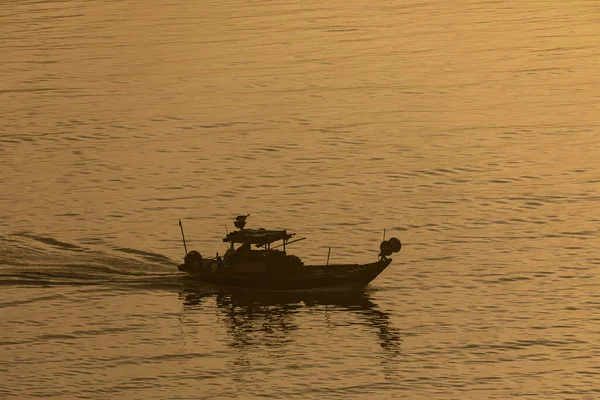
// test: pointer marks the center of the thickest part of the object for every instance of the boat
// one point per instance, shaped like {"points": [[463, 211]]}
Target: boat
{"points": [[268, 267]]}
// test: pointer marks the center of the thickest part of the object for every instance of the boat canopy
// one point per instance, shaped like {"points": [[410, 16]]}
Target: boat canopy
{"points": [[259, 237]]}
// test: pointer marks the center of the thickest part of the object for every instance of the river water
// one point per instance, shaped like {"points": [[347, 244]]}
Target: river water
{"points": [[470, 130]]}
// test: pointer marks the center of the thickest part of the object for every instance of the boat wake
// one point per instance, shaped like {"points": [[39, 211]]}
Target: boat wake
{"points": [[30, 260]]}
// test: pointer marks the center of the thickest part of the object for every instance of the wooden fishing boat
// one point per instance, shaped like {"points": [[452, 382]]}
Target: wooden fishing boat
{"points": [[267, 267]]}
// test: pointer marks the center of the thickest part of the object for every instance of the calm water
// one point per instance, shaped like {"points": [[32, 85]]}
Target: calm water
{"points": [[470, 130]]}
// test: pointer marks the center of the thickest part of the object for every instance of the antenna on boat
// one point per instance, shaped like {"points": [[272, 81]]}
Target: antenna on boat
{"points": [[183, 236], [383, 233], [328, 253]]}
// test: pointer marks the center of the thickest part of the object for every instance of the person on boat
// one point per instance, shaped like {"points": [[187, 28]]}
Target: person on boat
{"points": [[245, 248]]}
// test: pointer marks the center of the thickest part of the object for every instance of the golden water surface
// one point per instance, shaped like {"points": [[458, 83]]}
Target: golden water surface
{"points": [[470, 130]]}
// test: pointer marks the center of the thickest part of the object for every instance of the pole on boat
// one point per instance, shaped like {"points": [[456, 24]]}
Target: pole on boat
{"points": [[183, 236], [286, 243], [383, 233], [328, 253]]}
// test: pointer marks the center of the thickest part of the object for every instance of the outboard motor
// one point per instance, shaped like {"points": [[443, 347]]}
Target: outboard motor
{"points": [[192, 261], [387, 247], [193, 257]]}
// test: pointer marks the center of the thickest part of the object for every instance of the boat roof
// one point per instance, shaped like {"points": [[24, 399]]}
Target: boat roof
{"points": [[257, 236]]}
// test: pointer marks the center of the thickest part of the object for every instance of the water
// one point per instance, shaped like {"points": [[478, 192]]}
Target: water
{"points": [[469, 130]]}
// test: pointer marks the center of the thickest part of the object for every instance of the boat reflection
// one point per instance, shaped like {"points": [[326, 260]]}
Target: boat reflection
{"points": [[255, 318]]}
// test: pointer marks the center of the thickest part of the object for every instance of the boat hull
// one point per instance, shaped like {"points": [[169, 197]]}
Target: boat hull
{"points": [[351, 276]]}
